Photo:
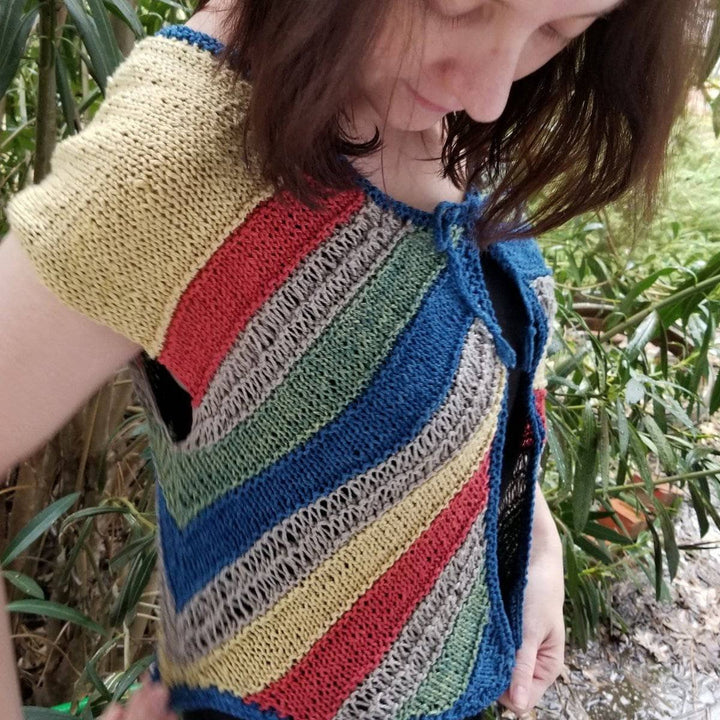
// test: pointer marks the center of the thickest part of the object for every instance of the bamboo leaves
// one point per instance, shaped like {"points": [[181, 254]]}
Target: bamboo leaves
{"points": [[24, 583], [124, 10], [584, 479], [103, 52], [37, 527], [622, 409], [15, 27], [51, 609]]}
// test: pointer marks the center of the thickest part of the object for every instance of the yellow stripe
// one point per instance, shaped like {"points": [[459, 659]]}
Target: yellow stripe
{"points": [[139, 200], [265, 650]]}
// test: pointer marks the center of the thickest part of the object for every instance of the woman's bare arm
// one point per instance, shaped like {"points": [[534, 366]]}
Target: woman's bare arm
{"points": [[52, 358]]}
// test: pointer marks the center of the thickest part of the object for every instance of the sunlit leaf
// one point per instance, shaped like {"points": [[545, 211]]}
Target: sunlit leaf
{"points": [[91, 512], [622, 426], [666, 454], [642, 336], [634, 392]]}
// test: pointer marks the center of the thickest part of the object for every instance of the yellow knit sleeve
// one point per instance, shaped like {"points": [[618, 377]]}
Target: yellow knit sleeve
{"points": [[137, 202]]}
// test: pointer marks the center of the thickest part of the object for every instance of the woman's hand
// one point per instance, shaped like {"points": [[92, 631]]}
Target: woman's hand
{"points": [[150, 702], [541, 655]]}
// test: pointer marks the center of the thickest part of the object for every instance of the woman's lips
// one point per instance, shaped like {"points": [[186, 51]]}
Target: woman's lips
{"points": [[424, 102]]}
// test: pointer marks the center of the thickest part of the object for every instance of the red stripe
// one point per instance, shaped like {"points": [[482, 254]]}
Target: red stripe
{"points": [[540, 395], [316, 687], [245, 270]]}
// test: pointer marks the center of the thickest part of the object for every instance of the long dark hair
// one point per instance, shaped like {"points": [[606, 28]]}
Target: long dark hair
{"points": [[590, 126]]}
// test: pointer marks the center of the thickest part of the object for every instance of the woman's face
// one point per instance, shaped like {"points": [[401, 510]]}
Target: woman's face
{"points": [[437, 56]]}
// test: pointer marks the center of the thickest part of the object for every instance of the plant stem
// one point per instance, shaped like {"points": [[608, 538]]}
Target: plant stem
{"points": [[45, 129]]}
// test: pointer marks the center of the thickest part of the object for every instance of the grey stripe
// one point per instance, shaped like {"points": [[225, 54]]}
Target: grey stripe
{"points": [[422, 639], [285, 326], [253, 583], [544, 287]]}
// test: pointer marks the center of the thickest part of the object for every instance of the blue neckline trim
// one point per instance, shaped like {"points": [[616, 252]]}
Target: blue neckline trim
{"points": [[194, 37], [472, 202], [444, 222]]}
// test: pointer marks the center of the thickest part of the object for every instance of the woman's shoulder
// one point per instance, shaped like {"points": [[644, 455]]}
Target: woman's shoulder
{"points": [[178, 61], [209, 20]]}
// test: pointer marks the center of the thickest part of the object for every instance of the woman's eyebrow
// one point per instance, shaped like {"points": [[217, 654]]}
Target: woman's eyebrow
{"points": [[584, 16]]}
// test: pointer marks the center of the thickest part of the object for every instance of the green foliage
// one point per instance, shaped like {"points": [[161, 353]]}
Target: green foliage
{"points": [[15, 27], [86, 52], [630, 381], [36, 527], [36, 713], [55, 610]]}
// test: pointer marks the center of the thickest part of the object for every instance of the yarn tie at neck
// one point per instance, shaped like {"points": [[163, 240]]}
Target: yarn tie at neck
{"points": [[449, 217]]}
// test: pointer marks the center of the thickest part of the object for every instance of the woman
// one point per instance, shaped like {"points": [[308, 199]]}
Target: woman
{"points": [[392, 147]]}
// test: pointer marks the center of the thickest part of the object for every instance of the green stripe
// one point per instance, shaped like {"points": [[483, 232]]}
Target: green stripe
{"points": [[332, 373], [449, 676]]}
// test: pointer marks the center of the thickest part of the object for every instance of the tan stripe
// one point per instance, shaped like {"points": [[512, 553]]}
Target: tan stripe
{"points": [[544, 288], [280, 333], [422, 640]]}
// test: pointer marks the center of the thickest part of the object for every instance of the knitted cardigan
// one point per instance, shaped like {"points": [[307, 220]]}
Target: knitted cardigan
{"points": [[326, 394]]}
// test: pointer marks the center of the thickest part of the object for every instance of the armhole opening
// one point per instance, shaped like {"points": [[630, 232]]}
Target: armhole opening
{"points": [[163, 396]]}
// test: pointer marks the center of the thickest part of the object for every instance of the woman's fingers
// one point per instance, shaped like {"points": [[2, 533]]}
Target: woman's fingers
{"points": [[113, 712], [522, 693], [150, 702]]}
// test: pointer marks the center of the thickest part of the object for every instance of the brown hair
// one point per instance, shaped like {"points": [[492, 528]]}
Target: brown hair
{"points": [[591, 125]]}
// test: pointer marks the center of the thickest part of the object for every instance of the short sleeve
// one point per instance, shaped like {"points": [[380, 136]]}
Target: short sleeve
{"points": [[137, 202]]}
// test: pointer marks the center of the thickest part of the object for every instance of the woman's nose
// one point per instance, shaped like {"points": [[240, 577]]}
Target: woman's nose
{"points": [[481, 80]]}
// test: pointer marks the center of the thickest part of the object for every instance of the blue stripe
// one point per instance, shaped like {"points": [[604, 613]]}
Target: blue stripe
{"points": [[523, 256], [184, 699], [410, 385], [524, 262]]}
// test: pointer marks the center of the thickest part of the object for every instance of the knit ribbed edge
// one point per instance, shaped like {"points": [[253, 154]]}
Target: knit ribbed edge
{"points": [[194, 37]]}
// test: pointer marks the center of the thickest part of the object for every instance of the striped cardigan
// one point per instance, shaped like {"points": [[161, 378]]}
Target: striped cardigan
{"points": [[326, 395]]}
